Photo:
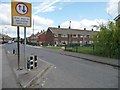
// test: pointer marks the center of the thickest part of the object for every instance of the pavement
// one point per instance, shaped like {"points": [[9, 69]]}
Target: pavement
{"points": [[0, 66], [23, 77], [93, 58], [7, 73]]}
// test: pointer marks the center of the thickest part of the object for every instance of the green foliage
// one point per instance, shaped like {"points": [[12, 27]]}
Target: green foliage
{"points": [[107, 41]]}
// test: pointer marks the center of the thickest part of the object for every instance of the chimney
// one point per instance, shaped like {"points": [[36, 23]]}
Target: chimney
{"points": [[58, 26], [84, 28]]}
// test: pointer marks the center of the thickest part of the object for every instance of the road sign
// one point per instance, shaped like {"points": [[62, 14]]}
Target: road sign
{"points": [[21, 14]]}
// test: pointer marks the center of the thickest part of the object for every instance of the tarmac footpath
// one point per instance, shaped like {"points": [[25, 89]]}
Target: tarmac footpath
{"points": [[8, 77], [26, 78], [93, 58]]}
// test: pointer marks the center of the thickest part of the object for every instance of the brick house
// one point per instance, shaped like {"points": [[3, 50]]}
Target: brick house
{"points": [[41, 37], [31, 38], [38, 38], [61, 36]]}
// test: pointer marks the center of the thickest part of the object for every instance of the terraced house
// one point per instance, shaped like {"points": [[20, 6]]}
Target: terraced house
{"points": [[38, 38], [62, 36]]}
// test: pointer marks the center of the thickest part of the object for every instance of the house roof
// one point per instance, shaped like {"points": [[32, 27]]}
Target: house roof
{"points": [[5, 36], [70, 31]]}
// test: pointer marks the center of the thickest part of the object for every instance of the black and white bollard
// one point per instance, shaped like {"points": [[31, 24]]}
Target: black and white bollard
{"points": [[30, 63], [13, 51], [35, 61]]}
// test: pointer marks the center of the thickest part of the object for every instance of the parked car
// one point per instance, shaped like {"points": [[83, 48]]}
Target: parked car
{"points": [[9, 42]]}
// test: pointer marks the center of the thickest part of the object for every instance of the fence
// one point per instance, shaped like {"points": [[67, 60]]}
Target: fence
{"points": [[94, 50]]}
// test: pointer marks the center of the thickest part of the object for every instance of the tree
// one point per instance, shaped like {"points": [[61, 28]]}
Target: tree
{"points": [[107, 41]]}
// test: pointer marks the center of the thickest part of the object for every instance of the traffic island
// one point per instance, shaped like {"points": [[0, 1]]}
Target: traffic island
{"points": [[29, 78]]}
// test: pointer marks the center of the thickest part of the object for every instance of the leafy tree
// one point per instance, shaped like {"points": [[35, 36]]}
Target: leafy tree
{"points": [[107, 41]]}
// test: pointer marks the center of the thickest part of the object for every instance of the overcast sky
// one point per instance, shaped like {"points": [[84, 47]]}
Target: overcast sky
{"points": [[51, 13]]}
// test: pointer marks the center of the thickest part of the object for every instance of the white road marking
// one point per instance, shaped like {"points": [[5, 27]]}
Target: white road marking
{"points": [[8, 51]]}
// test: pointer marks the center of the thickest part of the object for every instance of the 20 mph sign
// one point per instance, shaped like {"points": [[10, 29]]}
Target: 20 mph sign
{"points": [[21, 14]]}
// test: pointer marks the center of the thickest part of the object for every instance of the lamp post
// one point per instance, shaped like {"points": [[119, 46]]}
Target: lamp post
{"points": [[2, 36]]}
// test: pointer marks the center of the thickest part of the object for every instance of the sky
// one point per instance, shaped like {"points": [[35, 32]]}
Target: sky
{"points": [[51, 13]]}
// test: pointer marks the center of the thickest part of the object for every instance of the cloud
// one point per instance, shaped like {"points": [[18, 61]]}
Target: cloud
{"points": [[112, 8], [44, 7], [5, 16], [60, 8], [50, 9], [85, 23], [42, 21]]}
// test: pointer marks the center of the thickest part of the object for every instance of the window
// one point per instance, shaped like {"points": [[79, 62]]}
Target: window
{"points": [[88, 36], [64, 42], [64, 35], [85, 35], [81, 36], [56, 42], [74, 36], [74, 42], [55, 35], [90, 42], [80, 41]]}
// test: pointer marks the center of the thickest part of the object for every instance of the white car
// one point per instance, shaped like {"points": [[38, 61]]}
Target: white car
{"points": [[9, 42]]}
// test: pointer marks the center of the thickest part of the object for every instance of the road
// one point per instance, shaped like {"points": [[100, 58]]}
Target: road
{"points": [[71, 72]]}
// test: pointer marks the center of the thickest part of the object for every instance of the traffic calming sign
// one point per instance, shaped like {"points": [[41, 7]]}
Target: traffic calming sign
{"points": [[21, 14], [21, 8]]}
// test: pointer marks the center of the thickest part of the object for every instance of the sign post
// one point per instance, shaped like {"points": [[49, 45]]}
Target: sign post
{"points": [[24, 47], [18, 47], [21, 17]]}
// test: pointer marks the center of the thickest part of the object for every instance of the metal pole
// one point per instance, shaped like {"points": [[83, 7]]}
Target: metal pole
{"points": [[24, 47], [18, 48]]}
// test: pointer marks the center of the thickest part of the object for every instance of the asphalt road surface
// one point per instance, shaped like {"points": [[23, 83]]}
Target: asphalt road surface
{"points": [[71, 72]]}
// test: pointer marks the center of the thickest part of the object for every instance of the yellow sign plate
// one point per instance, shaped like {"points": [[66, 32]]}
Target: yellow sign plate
{"points": [[21, 14]]}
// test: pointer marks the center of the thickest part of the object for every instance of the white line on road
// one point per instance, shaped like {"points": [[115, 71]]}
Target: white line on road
{"points": [[8, 51]]}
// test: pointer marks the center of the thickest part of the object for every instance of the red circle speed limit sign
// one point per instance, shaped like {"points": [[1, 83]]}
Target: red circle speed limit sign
{"points": [[21, 8]]}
